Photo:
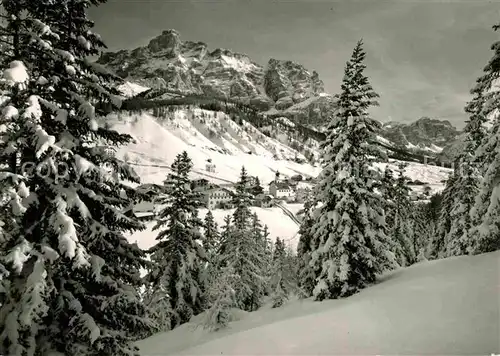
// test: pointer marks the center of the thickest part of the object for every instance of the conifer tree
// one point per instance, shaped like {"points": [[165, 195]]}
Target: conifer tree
{"points": [[240, 250], [278, 282], [438, 243], [350, 224], [401, 232], [422, 233], [222, 298], [486, 211], [306, 273], [72, 277], [464, 188], [179, 253], [212, 236]]}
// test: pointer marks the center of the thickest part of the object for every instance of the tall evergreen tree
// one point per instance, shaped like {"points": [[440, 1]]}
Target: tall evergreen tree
{"points": [[306, 273], [350, 224], [278, 282], [240, 250], [486, 210], [222, 298], [179, 253], [438, 243], [72, 275], [401, 231], [211, 238]]}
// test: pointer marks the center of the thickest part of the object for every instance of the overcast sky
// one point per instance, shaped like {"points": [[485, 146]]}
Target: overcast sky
{"points": [[423, 56]]}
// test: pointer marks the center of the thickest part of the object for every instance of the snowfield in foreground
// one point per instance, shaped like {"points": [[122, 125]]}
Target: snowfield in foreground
{"points": [[445, 307]]}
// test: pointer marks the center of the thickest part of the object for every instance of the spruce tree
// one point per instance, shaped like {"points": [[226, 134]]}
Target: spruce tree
{"points": [[278, 281], [222, 298], [422, 233], [401, 231], [438, 243], [179, 253], [242, 251], [350, 223], [72, 276], [211, 237], [486, 211], [306, 273], [74, 290], [464, 188]]}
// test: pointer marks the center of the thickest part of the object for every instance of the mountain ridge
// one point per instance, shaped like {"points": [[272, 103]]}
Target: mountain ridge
{"points": [[168, 67]]}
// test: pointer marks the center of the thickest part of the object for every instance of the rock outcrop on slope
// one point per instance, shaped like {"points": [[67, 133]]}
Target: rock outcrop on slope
{"points": [[424, 134]]}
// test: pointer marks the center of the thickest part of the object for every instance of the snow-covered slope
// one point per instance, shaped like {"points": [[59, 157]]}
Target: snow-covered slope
{"points": [[445, 307], [205, 135], [213, 135]]}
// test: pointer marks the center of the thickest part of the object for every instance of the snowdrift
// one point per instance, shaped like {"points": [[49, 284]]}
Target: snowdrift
{"points": [[446, 307]]}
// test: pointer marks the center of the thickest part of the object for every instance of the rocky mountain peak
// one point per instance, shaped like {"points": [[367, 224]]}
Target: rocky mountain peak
{"points": [[288, 83], [169, 41], [169, 64], [424, 133]]}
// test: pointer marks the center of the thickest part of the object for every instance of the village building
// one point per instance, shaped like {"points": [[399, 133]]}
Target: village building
{"points": [[210, 167], [202, 184], [281, 190], [264, 200], [217, 197]]}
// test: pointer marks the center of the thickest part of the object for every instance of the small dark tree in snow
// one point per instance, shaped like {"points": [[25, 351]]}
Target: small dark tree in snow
{"points": [[72, 276], [211, 238], [179, 253], [438, 244], [350, 225], [278, 281], [422, 231], [306, 273]]}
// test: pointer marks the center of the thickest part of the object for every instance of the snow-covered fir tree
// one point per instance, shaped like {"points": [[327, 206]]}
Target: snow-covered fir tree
{"points": [[211, 238], [465, 187], [221, 297], [278, 281], [422, 233], [486, 211], [241, 250], [350, 224], [72, 276], [267, 260], [401, 230], [438, 243], [179, 253], [487, 204]]}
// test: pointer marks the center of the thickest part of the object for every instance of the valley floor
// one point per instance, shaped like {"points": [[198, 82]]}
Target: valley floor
{"points": [[446, 307]]}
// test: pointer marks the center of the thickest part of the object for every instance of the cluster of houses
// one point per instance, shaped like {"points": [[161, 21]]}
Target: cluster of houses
{"points": [[214, 196], [220, 196]]}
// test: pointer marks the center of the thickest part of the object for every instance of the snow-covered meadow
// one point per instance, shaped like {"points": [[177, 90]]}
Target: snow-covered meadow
{"points": [[444, 307]]}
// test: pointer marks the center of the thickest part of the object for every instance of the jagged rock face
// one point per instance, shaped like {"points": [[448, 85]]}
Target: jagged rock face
{"points": [[422, 133], [287, 82], [188, 67], [451, 151]]}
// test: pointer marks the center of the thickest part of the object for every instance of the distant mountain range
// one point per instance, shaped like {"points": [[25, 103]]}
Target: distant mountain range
{"points": [[168, 68]]}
